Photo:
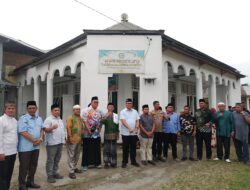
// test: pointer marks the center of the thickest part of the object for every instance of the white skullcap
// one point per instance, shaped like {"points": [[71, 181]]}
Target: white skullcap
{"points": [[76, 107], [221, 104]]}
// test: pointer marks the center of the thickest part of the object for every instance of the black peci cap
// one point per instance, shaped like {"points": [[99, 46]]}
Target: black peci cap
{"points": [[31, 103]]}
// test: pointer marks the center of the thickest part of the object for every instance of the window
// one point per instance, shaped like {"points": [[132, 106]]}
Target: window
{"points": [[113, 83], [77, 92], [135, 82], [171, 87], [234, 87]]}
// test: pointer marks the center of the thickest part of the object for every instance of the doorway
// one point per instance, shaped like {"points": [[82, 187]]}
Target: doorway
{"points": [[121, 87]]}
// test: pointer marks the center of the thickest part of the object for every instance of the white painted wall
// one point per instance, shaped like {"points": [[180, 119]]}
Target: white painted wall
{"points": [[124, 90], [153, 66], [177, 59], [93, 83], [27, 95]]}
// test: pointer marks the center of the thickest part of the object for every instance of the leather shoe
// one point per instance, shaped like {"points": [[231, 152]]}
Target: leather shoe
{"points": [[23, 187], [78, 171], [72, 176], [33, 185], [51, 180], [124, 165], [135, 164], [58, 176]]}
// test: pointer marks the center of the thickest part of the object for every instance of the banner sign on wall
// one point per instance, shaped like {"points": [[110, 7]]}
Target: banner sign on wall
{"points": [[121, 61]]}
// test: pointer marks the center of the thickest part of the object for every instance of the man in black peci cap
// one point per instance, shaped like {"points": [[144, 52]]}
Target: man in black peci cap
{"points": [[130, 124], [92, 116], [30, 132], [203, 118], [55, 135]]}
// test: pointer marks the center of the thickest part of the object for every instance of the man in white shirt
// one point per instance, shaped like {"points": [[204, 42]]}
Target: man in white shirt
{"points": [[8, 144], [55, 135], [130, 124]]}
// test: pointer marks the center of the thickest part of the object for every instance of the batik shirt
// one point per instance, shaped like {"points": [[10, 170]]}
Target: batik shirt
{"points": [[203, 117], [187, 124], [93, 118]]}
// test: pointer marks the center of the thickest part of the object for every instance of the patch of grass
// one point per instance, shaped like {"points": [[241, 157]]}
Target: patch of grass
{"points": [[241, 180], [211, 175]]}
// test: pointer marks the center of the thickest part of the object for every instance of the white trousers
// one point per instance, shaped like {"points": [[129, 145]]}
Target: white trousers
{"points": [[146, 148]]}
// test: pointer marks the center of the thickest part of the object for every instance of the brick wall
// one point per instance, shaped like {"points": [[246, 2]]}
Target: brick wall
{"points": [[13, 60]]}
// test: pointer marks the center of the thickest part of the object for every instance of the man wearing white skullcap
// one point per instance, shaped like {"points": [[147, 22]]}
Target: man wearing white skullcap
{"points": [[223, 120], [75, 125]]}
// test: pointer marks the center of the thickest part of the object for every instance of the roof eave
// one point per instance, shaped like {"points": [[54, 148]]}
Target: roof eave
{"points": [[172, 43], [123, 32], [52, 53]]}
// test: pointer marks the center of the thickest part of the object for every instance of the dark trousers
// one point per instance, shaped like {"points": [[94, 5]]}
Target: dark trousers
{"points": [[6, 170], [206, 137], [91, 154], [249, 135], [157, 144], [242, 150], [170, 139], [129, 147], [223, 142], [28, 164]]}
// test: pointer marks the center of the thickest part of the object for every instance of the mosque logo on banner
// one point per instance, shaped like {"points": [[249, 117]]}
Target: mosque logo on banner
{"points": [[121, 61]]}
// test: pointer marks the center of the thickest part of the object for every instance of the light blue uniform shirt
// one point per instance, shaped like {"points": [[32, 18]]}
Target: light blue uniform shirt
{"points": [[130, 116], [172, 126], [32, 125]]}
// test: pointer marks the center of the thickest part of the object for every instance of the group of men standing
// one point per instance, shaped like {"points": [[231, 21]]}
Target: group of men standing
{"points": [[156, 131], [25, 137]]}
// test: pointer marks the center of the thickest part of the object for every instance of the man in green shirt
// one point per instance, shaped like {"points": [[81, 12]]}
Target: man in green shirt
{"points": [[111, 135], [223, 121], [203, 118]]}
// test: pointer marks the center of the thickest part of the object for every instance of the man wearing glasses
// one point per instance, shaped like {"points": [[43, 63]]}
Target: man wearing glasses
{"points": [[130, 124]]}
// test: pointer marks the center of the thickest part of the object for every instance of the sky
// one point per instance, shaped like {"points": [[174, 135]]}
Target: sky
{"points": [[219, 28]]}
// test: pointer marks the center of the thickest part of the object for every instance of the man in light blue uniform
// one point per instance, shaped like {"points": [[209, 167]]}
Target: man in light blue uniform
{"points": [[171, 129], [30, 133]]}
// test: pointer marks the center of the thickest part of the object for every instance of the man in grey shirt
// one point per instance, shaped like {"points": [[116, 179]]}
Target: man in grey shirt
{"points": [[147, 128], [241, 120]]}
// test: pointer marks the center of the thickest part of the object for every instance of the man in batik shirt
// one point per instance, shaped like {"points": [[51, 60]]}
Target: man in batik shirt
{"points": [[188, 131], [203, 118], [92, 140]]}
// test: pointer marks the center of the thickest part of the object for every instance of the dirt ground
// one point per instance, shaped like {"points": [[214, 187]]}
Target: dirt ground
{"points": [[145, 177]]}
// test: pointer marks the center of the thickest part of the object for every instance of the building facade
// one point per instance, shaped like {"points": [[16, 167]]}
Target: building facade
{"points": [[245, 95], [125, 61], [13, 54]]}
